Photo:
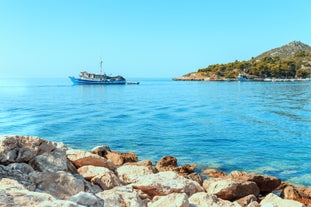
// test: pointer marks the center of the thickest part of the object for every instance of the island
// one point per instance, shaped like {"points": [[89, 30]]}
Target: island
{"points": [[289, 62]]}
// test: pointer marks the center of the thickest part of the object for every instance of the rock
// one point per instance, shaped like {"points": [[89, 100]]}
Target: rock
{"points": [[245, 201], [101, 150], [118, 158], [171, 200], [185, 169], [195, 177], [202, 199], [265, 183], [124, 196], [131, 173], [214, 173], [14, 194], [50, 161], [19, 172], [60, 184], [304, 191], [81, 158], [89, 171], [87, 199], [164, 183], [274, 200], [289, 192], [229, 189], [100, 176], [23, 148], [167, 163]]}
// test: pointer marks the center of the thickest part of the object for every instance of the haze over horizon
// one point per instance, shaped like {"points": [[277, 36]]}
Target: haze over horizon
{"points": [[142, 38]]}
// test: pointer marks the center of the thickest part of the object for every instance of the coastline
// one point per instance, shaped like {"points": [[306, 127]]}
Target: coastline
{"points": [[52, 172]]}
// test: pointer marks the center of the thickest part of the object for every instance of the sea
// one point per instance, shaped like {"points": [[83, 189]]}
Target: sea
{"points": [[261, 127]]}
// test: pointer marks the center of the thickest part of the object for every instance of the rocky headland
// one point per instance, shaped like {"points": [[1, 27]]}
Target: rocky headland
{"points": [[37, 172]]}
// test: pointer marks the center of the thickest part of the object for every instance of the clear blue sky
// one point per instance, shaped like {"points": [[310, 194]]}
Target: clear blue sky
{"points": [[140, 38]]}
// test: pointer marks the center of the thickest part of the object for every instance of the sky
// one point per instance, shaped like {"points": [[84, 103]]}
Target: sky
{"points": [[142, 38]]}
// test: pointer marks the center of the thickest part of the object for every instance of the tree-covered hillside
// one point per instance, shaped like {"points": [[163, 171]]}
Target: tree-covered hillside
{"points": [[289, 61]]}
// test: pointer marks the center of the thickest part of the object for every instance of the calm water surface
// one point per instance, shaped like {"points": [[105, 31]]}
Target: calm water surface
{"points": [[251, 126]]}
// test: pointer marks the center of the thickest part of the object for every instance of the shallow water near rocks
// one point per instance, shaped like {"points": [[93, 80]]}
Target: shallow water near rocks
{"points": [[251, 126]]}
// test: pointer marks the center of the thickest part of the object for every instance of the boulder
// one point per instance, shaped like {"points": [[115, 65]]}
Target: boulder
{"points": [[166, 163], [202, 199], [170, 200], [87, 199], [19, 172], [290, 192], [59, 184], [118, 158], [213, 173], [81, 158], [101, 150], [24, 148], [164, 183], [195, 177], [229, 189], [265, 183], [122, 196], [185, 169], [131, 173], [50, 161], [245, 201], [89, 171], [14, 194], [273, 200]]}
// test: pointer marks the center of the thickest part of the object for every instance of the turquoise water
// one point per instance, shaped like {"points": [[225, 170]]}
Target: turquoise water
{"points": [[251, 126]]}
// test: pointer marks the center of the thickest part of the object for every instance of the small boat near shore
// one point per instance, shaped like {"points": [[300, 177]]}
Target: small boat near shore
{"points": [[93, 78], [242, 77]]}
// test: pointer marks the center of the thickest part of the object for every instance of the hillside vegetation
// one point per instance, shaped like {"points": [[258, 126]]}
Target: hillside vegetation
{"points": [[289, 61]]}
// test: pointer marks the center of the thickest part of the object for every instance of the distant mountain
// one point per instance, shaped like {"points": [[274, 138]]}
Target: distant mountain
{"points": [[286, 51], [289, 61]]}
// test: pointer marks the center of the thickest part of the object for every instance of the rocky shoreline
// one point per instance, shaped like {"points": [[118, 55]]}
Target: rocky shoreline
{"points": [[37, 172]]}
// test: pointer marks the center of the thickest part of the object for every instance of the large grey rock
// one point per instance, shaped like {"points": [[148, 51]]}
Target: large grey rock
{"points": [[164, 183], [124, 196], [14, 194], [15, 148], [60, 184]]}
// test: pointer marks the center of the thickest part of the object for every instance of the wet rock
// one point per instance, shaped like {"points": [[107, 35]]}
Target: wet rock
{"points": [[81, 158], [229, 189], [131, 173], [213, 173], [101, 150], [202, 199], [273, 200], [166, 163], [265, 183], [164, 183], [171, 200], [118, 158], [124, 196]]}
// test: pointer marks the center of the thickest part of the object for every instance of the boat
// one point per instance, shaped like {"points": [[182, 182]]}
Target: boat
{"points": [[242, 77], [93, 78]]}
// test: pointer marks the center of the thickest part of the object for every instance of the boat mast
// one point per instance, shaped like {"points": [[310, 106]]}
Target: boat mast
{"points": [[101, 66]]}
